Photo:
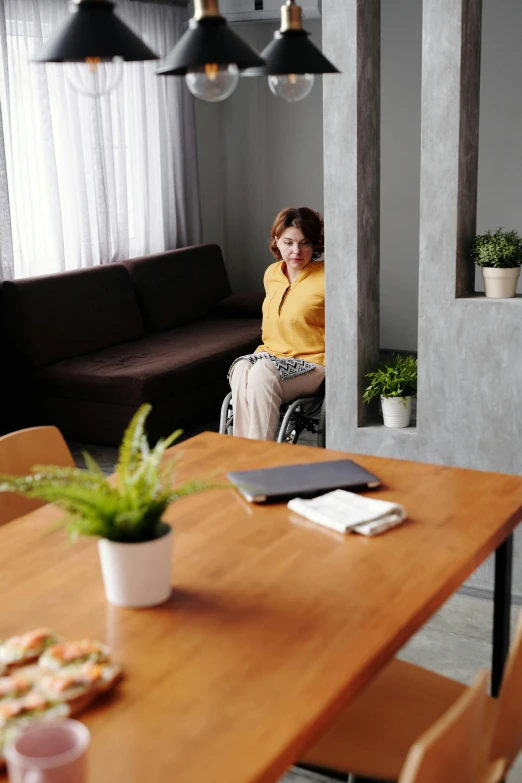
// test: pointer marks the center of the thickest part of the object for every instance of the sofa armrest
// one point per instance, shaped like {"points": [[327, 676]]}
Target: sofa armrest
{"points": [[244, 305]]}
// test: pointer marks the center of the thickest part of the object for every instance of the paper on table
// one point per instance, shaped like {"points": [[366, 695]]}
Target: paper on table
{"points": [[345, 511]]}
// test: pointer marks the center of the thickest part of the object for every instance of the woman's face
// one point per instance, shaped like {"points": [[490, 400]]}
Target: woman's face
{"points": [[296, 251]]}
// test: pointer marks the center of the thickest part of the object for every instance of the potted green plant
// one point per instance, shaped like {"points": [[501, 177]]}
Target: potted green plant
{"points": [[499, 256], [125, 513], [395, 382]]}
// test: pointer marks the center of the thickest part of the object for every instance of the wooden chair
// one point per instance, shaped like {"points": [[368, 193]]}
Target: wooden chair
{"points": [[507, 730], [453, 749], [372, 737], [19, 451]]}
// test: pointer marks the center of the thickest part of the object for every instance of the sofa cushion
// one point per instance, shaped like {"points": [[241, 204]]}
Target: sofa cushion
{"points": [[156, 366], [179, 286], [243, 305], [55, 317]]}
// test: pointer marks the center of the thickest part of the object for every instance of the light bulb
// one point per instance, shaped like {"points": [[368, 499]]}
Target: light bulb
{"points": [[292, 87], [212, 82], [93, 77]]}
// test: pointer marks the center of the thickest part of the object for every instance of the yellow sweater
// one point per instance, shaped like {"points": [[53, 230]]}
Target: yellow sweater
{"points": [[293, 315]]}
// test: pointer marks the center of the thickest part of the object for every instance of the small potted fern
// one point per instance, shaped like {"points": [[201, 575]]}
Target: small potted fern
{"points": [[125, 513], [395, 382], [499, 257]]}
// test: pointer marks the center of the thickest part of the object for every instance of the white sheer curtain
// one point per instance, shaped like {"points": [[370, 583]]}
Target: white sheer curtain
{"points": [[6, 237], [93, 180]]}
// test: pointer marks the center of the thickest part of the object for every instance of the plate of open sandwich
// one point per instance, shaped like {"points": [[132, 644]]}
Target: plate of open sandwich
{"points": [[44, 678]]}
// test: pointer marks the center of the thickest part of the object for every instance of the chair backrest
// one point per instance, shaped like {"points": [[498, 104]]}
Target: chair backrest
{"points": [[454, 747], [507, 733], [19, 451]]}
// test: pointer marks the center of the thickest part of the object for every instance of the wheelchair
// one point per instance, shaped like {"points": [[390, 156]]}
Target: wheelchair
{"points": [[305, 414]]}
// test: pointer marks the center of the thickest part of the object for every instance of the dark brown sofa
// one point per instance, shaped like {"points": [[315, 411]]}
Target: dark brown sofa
{"points": [[88, 347]]}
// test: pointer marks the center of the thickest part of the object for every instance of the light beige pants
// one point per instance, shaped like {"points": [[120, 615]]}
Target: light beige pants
{"points": [[257, 394]]}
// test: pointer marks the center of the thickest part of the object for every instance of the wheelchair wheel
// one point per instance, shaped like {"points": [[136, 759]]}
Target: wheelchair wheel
{"points": [[227, 416], [291, 426], [321, 428], [292, 435]]}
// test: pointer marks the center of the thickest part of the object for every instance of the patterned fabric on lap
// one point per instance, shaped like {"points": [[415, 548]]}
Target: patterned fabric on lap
{"points": [[286, 367]]}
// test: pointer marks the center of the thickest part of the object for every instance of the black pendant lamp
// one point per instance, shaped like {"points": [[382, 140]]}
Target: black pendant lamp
{"points": [[210, 55], [291, 58], [92, 35], [93, 31]]}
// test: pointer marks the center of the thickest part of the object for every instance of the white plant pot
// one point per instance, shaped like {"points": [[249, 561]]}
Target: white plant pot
{"points": [[396, 411], [500, 283], [137, 575]]}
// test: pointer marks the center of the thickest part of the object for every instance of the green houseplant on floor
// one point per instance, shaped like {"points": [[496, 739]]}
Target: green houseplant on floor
{"points": [[395, 383], [135, 545], [499, 257]]}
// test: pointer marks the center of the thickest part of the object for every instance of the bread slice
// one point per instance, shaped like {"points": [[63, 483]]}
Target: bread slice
{"points": [[13, 687], [78, 686], [29, 708], [69, 655], [21, 650]]}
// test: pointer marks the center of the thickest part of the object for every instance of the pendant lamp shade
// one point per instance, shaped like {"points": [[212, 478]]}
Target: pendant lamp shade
{"points": [[291, 51], [209, 40], [93, 31]]}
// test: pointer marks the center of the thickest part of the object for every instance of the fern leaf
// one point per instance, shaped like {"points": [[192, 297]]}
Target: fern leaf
{"points": [[68, 475], [193, 486], [77, 526], [75, 498], [168, 471], [172, 437], [91, 463], [131, 444]]}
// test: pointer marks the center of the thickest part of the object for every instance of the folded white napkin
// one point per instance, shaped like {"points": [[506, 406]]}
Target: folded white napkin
{"points": [[345, 511]]}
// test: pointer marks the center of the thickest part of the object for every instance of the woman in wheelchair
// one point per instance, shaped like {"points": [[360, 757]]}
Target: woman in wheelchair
{"points": [[290, 362]]}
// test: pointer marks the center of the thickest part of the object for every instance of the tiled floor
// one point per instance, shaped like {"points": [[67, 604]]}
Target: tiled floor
{"points": [[106, 456], [456, 642]]}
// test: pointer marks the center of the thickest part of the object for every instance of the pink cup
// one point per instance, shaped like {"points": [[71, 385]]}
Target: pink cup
{"points": [[52, 752]]}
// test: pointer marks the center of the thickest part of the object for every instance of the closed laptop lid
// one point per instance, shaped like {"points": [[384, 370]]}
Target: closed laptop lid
{"points": [[306, 480]]}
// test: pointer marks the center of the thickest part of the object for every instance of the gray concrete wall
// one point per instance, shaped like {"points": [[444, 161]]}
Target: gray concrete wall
{"points": [[401, 43], [258, 155], [500, 150]]}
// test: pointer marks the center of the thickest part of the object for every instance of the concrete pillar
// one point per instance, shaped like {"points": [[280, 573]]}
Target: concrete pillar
{"points": [[351, 38]]}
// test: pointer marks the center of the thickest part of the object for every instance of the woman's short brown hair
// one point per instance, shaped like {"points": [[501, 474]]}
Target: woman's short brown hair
{"points": [[306, 220]]}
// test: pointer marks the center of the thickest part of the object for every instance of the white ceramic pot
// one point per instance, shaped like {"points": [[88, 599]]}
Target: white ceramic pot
{"points": [[500, 283], [396, 411], [137, 574]]}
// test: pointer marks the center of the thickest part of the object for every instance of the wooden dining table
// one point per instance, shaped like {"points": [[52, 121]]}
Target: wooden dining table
{"points": [[274, 624]]}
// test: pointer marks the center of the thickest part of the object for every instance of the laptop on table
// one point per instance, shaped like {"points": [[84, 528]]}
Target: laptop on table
{"points": [[302, 480]]}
